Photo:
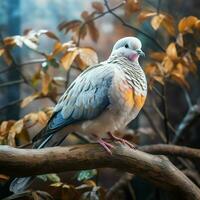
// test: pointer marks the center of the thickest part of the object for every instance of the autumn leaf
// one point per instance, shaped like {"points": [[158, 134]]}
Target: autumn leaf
{"points": [[42, 117], [131, 6], [2, 51], [29, 99], [145, 15], [68, 58], [18, 126], [3, 178], [158, 56], [93, 31], [187, 23], [5, 127], [73, 26], [7, 58], [168, 64], [98, 6], [197, 52], [156, 21], [86, 57], [31, 117], [171, 51], [46, 80], [51, 35]]}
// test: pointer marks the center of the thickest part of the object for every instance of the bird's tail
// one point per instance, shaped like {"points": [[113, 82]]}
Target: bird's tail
{"points": [[21, 184]]}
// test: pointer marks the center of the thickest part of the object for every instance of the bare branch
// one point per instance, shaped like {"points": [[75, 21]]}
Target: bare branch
{"points": [[190, 118], [174, 150], [158, 170]]}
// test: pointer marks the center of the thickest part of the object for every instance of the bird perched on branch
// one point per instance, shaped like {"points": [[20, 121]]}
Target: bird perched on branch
{"points": [[102, 99]]}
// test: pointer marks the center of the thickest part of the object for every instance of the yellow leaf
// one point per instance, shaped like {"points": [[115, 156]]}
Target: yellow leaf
{"points": [[2, 51], [42, 118], [168, 64], [5, 127], [157, 20], [146, 14], [18, 126], [29, 99], [197, 53], [171, 51], [33, 117], [86, 57], [46, 80], [68, 58], [187, 23], [159, 56], [98, 6]]}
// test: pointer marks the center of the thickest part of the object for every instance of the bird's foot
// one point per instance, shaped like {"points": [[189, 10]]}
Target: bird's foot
{"points": [[121, 140], [106, 145]]}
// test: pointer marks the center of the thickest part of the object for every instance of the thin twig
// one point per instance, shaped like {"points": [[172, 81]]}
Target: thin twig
{"points": [[5, 84], [95, 18], [132, 27]]}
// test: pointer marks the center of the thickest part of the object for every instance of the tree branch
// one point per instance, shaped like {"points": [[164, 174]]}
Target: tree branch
{"points": [[159, 170], [173, 150]]}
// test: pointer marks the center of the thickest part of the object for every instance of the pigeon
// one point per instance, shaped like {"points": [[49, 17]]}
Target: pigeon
{"points": [[103, 99]]}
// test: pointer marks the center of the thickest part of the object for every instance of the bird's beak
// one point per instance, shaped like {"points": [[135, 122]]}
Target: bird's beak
{"points": [[140, 52]]}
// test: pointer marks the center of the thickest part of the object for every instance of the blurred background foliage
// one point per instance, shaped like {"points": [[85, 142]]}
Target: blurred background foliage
{"points": [[46, 44]]}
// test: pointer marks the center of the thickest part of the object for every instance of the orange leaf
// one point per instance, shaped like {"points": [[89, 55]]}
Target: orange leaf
{"points": [[5, 127], [70, 26], [17, 127], [3, 178], [197, 53], [33, 117], [168, 24], [146, 14], [131, 6], [159, 56], [7, 58], [157, 20], [187, 23], [168, 64], [52, 35], [29, 99], [46, 80], [179, 78], [42, 118], [98, 6], [93, 31], [86, 57], [171, 51], [68, 58]]}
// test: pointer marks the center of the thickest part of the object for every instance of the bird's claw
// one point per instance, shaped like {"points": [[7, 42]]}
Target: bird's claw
{"points": [[121, 140], [107, 146]]}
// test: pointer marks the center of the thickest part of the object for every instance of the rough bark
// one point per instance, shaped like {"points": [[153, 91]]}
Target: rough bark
{"points": [[157, 169]]}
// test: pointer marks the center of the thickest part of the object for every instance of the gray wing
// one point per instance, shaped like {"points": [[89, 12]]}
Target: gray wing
{"points": [[86, 98]]}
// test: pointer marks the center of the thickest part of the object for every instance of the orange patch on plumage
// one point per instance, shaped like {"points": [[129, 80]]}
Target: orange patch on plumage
{"points": [[128, 96], [139, 101]]}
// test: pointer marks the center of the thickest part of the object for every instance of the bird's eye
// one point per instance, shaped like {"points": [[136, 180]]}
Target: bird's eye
{"points": [[126, 45]]}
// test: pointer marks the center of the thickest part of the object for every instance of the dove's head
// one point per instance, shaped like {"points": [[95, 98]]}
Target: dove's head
{"points": [[129, 47]]}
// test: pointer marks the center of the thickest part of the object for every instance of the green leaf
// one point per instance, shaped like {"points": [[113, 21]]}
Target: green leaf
{"points": [[51, 177], [86, 174]]}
